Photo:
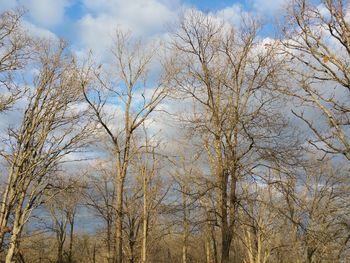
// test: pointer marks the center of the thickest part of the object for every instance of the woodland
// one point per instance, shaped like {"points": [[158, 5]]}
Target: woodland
{"points": [[214, 144]]}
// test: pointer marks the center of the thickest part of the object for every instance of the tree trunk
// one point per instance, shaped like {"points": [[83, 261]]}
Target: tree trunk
{"points": [[12, 248], [14, 238], [71, 237], [132, 251], [145, 219], [5, 211], [110, 258], [60, 242], [215, 250], [207, 249], [119, 220], [185, 226], [60, 252], [94, 254], [225, 249], [225, 227], [17, 228]]}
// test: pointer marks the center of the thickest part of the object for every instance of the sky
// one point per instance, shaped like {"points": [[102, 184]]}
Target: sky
{"points": [[89, 24]]}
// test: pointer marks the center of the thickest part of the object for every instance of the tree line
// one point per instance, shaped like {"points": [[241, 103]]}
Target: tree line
{"points": [[252, 165]]}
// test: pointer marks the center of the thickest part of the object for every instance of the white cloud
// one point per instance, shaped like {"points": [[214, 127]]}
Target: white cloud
{"points": [[231, 14], [144, 18], [48, 12], [268, 7], [96, 33], [43, 13], [37, 31]]}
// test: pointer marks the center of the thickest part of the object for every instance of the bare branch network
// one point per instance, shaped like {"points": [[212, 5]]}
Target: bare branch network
{"points": [[215, 145]]}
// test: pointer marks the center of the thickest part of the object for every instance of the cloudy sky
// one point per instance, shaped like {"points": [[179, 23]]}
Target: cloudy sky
{"points": [[89, 24]]}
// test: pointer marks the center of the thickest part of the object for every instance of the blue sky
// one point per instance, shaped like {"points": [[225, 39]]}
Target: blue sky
{"points": [[89, 24]]}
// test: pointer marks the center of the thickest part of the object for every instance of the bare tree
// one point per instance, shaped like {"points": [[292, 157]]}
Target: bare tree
{"points": [[230, 77], [62, 208], [240, 187], [51, 129], [154, 192], [135, 99], [59, 226], [260, 223], [316, 39], [14, 54], [145, 193], [99, 197], [317, 210]]}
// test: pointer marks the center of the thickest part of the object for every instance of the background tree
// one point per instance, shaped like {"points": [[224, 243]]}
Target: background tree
{"points": [[63, 209], [99, 197]]}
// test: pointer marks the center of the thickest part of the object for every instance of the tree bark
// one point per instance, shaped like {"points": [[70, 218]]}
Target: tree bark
{"points": [[71, 237], [185, 226], [145, 217], [16, 231], [119, 221]]}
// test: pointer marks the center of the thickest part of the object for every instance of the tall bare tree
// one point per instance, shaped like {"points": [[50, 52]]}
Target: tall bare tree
{"points": [[230, 76], [154, 191], [51, 129], [135, 98]]}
